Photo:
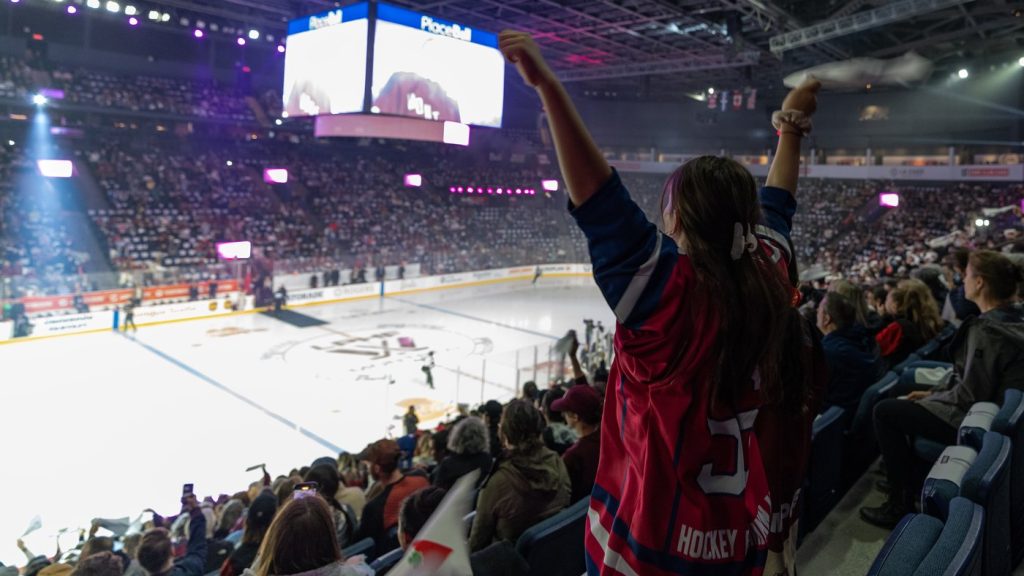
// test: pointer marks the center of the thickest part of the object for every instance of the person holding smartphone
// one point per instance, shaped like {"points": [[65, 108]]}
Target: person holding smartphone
{"points": [[155, 551]]}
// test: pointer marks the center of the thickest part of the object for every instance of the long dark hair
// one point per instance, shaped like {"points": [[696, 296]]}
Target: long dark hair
{"points": [[704, 199], [301, 538]]}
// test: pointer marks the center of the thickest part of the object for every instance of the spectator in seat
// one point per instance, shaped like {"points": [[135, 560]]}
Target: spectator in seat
{"points": [[988, 358], [325, 474], [851, 354], [101, 564], [530, 392], [498, 559], [302, 540], [154, 553], [558, 436], [384, 499], [957, 307], [915, 321], [529, 483], [492, 416], [469, 449], [581, 407], [865, 315], [257, 521]]}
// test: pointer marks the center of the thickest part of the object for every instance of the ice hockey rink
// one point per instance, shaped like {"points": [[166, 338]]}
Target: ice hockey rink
{"points": [[109, 424]]}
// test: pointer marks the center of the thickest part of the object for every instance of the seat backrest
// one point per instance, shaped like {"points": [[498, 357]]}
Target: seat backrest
{"points": [[987, 483], [825, 470], [907, 545], [910, 360], [387, 561], [958, 550], [1009, 422], [862, 428], [554, 547], [928, 350], [977, 422], [364, 546], [945, 479]]}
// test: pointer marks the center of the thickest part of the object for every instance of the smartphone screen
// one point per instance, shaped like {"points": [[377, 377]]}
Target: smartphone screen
{"points": [[187, 491], [305, 490]]}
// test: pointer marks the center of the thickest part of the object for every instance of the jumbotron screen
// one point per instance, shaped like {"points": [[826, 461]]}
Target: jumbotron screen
{"points": [[325, 65], [433, 69]]}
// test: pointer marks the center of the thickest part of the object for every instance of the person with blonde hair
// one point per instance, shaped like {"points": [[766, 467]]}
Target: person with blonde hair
{"points": [[916, 320]]}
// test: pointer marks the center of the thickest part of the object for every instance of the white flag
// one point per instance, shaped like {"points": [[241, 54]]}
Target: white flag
{"points": [[441, 547], [34, 525]]}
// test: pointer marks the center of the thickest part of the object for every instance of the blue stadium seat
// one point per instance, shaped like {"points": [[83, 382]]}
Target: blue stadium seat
{"points": [[1009, 422], [984, 481], [977, 422], [903, 365], [928, 350], [387, 561], [824, 474], [922, 545], [554, 547], [364, 546], [945, 479], [928, 450]]}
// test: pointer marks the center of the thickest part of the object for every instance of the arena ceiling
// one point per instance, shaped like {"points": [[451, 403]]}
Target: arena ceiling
{"points": [[653, 48]]}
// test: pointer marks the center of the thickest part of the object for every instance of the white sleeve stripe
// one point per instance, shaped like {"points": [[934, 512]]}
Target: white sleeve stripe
{"points": [[637, 285], [769, 234]]}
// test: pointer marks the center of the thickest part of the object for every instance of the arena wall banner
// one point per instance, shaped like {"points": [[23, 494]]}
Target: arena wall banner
{"points": [[185, 310], [72, 323], [966, 173], [333, 293], [105, 299]]}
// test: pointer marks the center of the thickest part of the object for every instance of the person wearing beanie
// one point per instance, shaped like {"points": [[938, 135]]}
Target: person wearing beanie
{"points": [[257, 521]]}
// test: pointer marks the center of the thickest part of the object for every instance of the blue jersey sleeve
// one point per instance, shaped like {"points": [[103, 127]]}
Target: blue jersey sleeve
{"points": [[632, 260], [777, 207]]}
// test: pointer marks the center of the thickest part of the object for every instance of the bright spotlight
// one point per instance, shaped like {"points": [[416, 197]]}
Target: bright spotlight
{"points": [[40, 100], [241, 41], [197, 33], [113, 6], [130, 10], [278, 122], [254, 34], [154, 15], [56, 168], [979, 222], [133, 21], [165, 17], [280, 49], [72, 10], [711, 91], [92, 3], [963, 73], [1021, 61]]}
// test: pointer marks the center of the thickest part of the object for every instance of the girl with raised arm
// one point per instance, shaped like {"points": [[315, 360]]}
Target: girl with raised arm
{"points": [[702, 310]]}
